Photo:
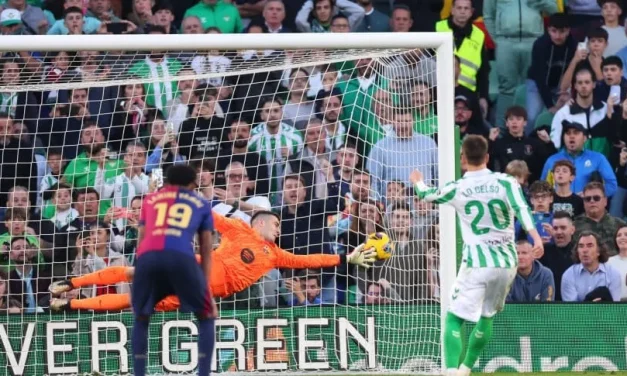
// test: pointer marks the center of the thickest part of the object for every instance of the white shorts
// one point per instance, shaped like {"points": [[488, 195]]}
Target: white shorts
{"points": [[480, 292]]}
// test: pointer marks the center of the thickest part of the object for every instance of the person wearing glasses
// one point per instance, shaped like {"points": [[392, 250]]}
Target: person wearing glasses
{"points": [[596, 218], [590, 165]]}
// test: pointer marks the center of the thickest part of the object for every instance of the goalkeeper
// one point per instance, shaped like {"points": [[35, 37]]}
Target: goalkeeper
{"points": [[245, 254], [486, 203]]}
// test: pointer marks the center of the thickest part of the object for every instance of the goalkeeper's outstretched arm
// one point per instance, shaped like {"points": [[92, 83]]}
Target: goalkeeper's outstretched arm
{"points": [[360, 256]]}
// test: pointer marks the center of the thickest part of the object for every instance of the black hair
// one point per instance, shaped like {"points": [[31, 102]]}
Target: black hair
{"points": [[598, 33], [181, 175], [264, 213], [559, 21], [612, 60], [71, 10]]}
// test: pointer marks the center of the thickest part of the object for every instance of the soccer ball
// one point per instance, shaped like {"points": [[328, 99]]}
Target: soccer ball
{"points": [[381, 243]]}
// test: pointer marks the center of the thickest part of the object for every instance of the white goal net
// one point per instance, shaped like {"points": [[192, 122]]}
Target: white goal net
{"points": [[325, 137]]}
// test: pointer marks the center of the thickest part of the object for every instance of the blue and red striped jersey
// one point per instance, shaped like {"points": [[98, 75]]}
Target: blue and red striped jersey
{"points": [[171, 217]]}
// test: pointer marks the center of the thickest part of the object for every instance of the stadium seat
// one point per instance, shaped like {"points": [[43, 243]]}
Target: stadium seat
{"points": [[545, 118], [520, 96]]}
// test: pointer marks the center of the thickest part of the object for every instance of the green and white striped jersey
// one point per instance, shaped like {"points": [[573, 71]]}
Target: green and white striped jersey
{"points": [[486, 203]]}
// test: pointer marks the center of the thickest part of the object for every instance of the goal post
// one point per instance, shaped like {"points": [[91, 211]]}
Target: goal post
{"points": [[350, 326]]}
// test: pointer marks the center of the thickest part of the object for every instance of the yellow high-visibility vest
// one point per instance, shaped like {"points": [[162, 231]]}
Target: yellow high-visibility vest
{"points": [[469, 54]]}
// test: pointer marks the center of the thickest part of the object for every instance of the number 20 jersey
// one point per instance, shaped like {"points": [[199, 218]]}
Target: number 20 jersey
{"points": [[171, 218], [487, 204]]}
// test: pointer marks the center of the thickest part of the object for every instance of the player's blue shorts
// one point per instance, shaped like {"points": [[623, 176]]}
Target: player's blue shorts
{"points": [[162, 273]]}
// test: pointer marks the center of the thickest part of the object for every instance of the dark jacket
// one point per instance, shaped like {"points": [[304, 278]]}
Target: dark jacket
{"points": [[17, 288], [529, 149], [602, 92], [558, 260], [539, 286], [256, 168], [17, 167], [201, 136], [548, 64]]}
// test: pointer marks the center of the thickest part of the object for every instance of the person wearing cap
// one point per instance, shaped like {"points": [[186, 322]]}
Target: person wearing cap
{"points": [[217, 13], [10, 21], [550, 56], [587, 110], [612, 10], [33, 18], [465, 121], [514, 30], [589, 164]]}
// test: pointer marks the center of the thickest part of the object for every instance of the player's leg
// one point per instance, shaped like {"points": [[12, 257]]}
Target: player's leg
{"points": [[190, 285], [150, 284], [106, 276], [498, 282], [464, 305], [107, 302]]}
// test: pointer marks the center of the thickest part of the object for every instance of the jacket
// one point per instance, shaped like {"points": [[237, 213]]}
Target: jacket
{"points": [[516, 18], [558, 260], [588, 164], [222, 15], [539, 286], [548, 64], [305, 21], [596, 122], [529, 149]]}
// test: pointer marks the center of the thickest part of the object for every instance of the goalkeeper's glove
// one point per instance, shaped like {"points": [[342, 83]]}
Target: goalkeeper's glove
{"points": [[362, 257]]}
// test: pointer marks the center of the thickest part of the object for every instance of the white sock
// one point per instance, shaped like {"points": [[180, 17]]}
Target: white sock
{"points": [[463, 371], [452, 372]]}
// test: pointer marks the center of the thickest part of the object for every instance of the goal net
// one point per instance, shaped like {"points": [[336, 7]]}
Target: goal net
{"points": [[324, 130]]}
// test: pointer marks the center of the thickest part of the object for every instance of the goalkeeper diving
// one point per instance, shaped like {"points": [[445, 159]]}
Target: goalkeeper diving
{"points": [[486, 203], [245, 254]]}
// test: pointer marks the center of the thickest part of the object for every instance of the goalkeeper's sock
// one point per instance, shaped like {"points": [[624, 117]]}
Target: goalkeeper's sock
{"points": [[479, 338], [106, 276], [452, 341], [206, 338], [140, 346], [107, 302]]}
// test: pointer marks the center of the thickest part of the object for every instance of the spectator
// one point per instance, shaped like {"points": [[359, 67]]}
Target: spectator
{"points": [[519, 170], [128, 184], [179, 108], [359, 190], [17, 162], [465, 119], [163, 15], [619, 261], [597, 219], [401, 20], [141, 14], [422, 99], [471, 96], [588, 164], [377, 293], [192, 25], [7, 305], [28, 282], [564, 199], [316, 15], [397, 154], [340, 24], [204, 180], [62, 214], [612, 10], [236, 200], [54, 169], [159, 68], [328, 107], [15, 222], [541, 198], [588, 110], [374, 20], [74, 22], [612, 68], [273, 17], [298, 109], [591, 278], [215, 61], [589, 58], [217, 13], [163, 150], [558, 254], [514, 30], [584, 12], [346, 161], [101, 10], [475, 63], [516, 145], [619, 163], [550, 56], [10, 21], [33, 17], [534, 282], [96, 254], [253, 9], [306, 290], [203, 132], [274, 140]]}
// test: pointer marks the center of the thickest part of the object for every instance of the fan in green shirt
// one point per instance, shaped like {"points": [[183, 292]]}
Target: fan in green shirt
{"points": [[15, 221], [217, 13]]}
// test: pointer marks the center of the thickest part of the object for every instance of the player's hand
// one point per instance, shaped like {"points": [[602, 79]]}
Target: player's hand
{"points": [[538, 250], [415, 177], [362, 257]]}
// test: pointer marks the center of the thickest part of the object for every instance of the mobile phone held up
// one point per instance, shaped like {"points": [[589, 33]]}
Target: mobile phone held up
{"points": [[117, 27]]}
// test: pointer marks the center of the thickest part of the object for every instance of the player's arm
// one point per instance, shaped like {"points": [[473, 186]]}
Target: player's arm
{"points": [[360, 256], [522, 212], [223, 224], [430, 194]]}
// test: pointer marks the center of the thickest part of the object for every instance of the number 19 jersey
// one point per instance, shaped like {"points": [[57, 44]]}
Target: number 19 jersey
{"points": [[171, 218], [487, 204]]}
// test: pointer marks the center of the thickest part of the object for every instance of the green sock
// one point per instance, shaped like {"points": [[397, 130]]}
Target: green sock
{"points": [[464, 336], [452, 340], [479, 338]]}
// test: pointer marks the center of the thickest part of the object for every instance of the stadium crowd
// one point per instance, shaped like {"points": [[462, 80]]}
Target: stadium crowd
{"points": [[327, 146]]}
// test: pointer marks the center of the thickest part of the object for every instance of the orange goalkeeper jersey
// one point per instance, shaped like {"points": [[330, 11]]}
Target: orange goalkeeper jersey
{"points": [[243, 257]]}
